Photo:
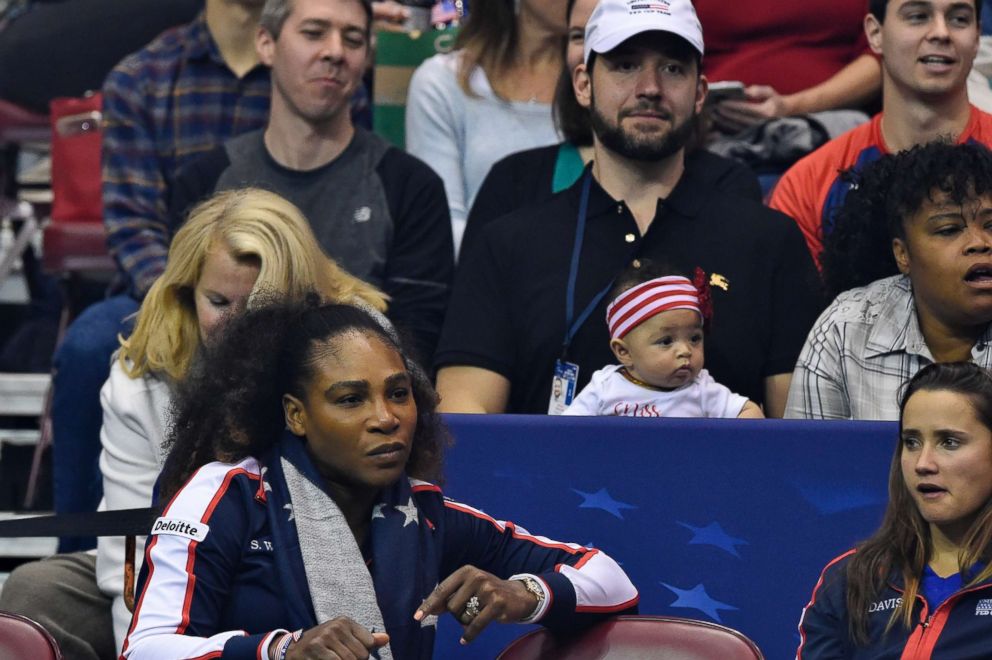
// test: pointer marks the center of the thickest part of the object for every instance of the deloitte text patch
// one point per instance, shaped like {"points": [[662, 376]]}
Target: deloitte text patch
{"points": [[195, 531]]}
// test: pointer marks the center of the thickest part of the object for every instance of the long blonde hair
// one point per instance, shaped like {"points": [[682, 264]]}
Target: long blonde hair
{"points": [[252, 225]]}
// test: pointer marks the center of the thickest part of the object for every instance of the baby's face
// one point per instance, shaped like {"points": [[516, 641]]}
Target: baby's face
{"points": [[666, 351]]}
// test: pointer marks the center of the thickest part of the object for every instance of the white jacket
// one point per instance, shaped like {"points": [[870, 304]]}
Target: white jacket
{"points": [[134, 428]]}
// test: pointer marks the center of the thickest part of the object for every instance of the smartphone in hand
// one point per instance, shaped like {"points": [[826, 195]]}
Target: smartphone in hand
{"points": [[725, 90]]}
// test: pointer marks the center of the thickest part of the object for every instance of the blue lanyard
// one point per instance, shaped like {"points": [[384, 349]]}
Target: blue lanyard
{"points": [[571, 326]]}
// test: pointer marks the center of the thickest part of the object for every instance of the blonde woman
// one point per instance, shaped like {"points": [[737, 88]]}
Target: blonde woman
{"points": [[233, 247]]}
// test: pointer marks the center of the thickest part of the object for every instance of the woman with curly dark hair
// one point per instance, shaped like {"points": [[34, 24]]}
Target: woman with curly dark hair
{"points": [[235, 250], [915, 239], [857, 249], [919, 587], [298, 500]]}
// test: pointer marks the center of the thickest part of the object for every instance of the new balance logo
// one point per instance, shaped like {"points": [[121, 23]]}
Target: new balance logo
{"points": [[363, 214]]}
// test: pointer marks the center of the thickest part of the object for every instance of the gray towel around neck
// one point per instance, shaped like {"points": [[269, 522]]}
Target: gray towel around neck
{"points": [[340, 582]]}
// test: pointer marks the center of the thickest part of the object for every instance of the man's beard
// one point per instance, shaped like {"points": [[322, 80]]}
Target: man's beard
{"points": [[649, 148]]}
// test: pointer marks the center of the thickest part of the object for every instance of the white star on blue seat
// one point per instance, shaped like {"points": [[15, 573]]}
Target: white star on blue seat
{"points": [[377, 510], [697, 599], [601, 500], [714, 535]]}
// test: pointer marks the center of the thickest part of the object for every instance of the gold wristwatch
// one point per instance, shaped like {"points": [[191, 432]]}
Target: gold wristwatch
{"points": [[535, 588]]}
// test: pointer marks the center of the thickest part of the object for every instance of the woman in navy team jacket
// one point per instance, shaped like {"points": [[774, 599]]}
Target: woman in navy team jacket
{"points": [[298, 501], [921, 587]]}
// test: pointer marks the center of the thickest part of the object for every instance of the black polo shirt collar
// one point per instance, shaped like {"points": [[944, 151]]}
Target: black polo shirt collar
{"points": [[686, 199]]}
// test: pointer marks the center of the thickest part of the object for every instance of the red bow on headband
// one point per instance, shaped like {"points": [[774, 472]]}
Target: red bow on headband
{"points": [[702, 284]]}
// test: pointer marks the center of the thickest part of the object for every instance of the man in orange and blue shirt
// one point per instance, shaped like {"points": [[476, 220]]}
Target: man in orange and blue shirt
{"points": [[927, 49]]}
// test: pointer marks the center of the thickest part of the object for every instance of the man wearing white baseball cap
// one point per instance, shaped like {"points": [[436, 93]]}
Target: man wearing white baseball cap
{"points": [[529, 294], [612, 23]]}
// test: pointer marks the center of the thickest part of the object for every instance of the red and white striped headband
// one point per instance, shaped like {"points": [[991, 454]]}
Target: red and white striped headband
{"points": [[639, 303]]}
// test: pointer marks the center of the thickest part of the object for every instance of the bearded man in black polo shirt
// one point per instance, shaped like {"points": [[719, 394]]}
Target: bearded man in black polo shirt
{"points": [[528, 304]]}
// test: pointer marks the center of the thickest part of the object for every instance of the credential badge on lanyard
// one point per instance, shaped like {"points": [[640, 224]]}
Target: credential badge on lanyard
{"points": [[563, 386]]}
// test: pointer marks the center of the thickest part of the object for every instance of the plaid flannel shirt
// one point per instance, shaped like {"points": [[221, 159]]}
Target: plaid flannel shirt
{"points": [[163, 106], [863, 348]]}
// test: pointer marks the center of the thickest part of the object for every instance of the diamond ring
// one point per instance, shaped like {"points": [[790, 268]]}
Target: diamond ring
{"points": [[472, 608]]}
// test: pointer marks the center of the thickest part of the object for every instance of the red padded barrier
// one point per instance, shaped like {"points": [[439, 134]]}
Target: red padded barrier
{"points": [[637, 637]]}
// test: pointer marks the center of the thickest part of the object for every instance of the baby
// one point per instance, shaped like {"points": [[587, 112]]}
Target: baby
{"points": [[656, 332]]}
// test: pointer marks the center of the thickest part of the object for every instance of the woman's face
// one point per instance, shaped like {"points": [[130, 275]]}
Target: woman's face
{"points": [[947, 253], [581, 12], [946, 460], [223, 289], [358, 413]]}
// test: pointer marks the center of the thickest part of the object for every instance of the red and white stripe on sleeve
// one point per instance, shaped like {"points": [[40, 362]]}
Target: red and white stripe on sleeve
{"points": [[162, 613], [601, 586]]}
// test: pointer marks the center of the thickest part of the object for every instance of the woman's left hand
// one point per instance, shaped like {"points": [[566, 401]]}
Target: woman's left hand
{"points": [[506, 601]]}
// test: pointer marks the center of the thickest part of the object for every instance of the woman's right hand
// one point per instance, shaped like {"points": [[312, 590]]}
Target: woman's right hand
{"points": [[337, 639]]}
